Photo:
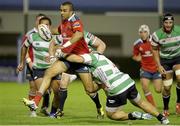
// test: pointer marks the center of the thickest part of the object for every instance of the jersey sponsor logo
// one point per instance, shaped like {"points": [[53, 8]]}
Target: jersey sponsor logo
{"points": [[76, 25], [147, 54]]}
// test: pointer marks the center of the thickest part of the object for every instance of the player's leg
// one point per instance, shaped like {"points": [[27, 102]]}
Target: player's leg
{"points": [[56, 68], [157, 85], [88, 84], [177, 73], [167, 80], [135, 98], [32, 88], [55, 101], [166, 91], [114, 108], [145, 77]]}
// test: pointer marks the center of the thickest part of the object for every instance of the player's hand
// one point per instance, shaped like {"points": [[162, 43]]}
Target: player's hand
{"points": [[59, 53], [20, 67], [162, 70], [52, 59]]}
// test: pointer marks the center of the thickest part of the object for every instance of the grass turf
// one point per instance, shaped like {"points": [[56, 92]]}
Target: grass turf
{"points": [[79, 109]]}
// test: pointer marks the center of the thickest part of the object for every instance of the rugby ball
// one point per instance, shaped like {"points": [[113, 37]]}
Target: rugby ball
{"points": [[44, 32]]}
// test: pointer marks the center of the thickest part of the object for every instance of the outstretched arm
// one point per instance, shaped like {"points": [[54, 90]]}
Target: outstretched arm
{"points": [[75, 58]]}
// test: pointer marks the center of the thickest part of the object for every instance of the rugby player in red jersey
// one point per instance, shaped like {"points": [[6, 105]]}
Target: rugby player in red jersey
{"points": [[142, 52]]}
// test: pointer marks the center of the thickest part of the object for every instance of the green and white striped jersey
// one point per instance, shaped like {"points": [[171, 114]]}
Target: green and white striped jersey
{"points": [[169, 44], [106, 72], [90, 39], [40, 50]]}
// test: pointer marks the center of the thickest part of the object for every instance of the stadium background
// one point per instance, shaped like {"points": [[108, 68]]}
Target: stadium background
{"points": [[115, 21]]}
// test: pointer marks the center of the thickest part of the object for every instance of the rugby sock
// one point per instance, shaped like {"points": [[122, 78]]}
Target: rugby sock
{"points": [[45, 100], [178, 93], [131, 117], [62, 97], [166, 102], [149, 98], [53, 109], [159, 117], [95, 98], [38, 98], [30, 97]]}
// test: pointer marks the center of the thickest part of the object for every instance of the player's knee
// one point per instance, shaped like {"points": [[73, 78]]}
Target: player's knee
{"points": [[158, 90], [167, 83], [115, 116], [177, 72], [89, 90]]}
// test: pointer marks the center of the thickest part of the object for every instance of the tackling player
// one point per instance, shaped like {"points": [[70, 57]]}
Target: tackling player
{"points": [[142, 52], [120, 87], [166, 51]]}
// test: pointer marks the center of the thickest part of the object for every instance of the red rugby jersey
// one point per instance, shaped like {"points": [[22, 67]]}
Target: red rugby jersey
{"points": [[67, 29], [145, 50]]}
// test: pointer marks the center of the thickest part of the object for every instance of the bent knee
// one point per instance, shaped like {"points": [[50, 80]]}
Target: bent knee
{"points": [[158, 90]]}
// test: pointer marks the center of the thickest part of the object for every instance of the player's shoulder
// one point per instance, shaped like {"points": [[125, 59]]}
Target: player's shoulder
{"points": [[74, 18], [138, 41], [31, 32], [158, 32], [177, 28]]}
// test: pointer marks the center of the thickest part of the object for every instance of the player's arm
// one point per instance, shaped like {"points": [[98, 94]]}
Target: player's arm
{"points": [[52, 48], [137, 57], [55, 30], [75, 58], [136, 54], [28, 60], [99, 45], [78, 34], [24, 49], [155, 51], [76, 37]]}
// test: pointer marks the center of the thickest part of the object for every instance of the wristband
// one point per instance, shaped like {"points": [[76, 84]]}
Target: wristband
{"points": [[28, 60], [68, 43]]}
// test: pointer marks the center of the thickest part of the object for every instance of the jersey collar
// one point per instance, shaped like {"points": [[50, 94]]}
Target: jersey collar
{"points": [[71, 17]]}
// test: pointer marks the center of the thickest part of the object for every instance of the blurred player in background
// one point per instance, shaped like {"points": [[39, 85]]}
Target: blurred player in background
{"points": [[29, 72], [166, 51], [142, 52]]}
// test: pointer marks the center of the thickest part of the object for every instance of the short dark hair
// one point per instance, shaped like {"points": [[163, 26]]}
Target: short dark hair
{"points": [[45, 18], [69, 4], [40, 15], [168, 16]]}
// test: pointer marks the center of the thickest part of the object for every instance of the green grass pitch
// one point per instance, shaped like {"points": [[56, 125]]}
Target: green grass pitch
{"points": [[79, 109]]}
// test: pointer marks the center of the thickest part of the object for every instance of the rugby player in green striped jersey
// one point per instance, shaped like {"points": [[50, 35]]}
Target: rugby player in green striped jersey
{"points": [[166, 51], [120, 87]]}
